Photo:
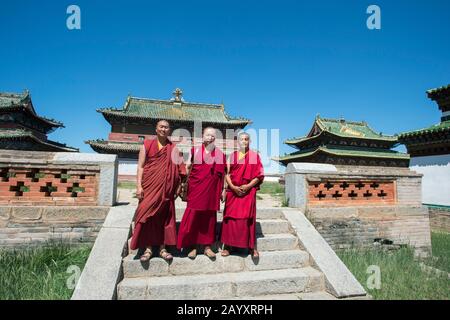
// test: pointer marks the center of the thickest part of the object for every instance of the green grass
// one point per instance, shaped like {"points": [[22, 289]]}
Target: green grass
{"points": [[273, 188], [401, 275], [41, 272], [126, 185], [440, 242]]}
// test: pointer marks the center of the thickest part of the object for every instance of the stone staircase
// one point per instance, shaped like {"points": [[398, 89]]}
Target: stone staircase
{"points": [[283, 271]]}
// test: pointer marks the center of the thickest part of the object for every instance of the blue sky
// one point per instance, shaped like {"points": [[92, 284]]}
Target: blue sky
{"points": [[278, 63]]}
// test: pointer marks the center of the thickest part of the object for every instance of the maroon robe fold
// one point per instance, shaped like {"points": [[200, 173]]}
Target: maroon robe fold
{"points": [[198, 225], [154, 219], [239, 216]]}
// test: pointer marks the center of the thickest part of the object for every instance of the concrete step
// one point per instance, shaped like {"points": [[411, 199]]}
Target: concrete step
{"points": [[222, 286], [269, 260], [277, 242], [272, 226], [319, 295], [267, 242]]}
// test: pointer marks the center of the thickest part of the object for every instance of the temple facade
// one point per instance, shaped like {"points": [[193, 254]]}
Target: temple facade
{"points": [[137, 119], [341, 142], [21, 128], [430, 151]]}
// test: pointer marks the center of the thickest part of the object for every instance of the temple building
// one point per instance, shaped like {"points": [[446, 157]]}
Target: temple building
{"points": [[430, 151], [341, 142], [137, 119], [21, 128], [434, 140]]}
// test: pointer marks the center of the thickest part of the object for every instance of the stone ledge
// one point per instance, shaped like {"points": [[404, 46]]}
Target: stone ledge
{"points": [[339, 280], [103, 271]]}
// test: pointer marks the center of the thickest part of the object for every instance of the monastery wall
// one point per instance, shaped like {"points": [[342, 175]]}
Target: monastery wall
{"points": [[361, 206], [54, 196]]}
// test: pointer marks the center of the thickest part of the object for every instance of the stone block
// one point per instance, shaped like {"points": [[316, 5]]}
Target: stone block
{"points": [[274, 242], [26, 213], [74, 214], [135, 268], [257, 283], [274, 260], [205, 287]]}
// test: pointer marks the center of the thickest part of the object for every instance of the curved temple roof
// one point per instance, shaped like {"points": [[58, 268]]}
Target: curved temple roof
{"points": [[177, 110], [342, 128]]}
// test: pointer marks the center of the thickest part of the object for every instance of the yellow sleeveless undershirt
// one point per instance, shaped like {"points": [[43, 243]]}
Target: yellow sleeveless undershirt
{"points": [[242, 155]]}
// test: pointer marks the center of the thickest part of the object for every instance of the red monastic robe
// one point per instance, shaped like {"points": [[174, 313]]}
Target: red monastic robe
{"points": [[155, 222], [198, 225], [239, 217]]}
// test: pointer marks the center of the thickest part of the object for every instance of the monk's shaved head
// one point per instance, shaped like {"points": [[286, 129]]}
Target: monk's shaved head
{"points": [[243, 133], [163, 121], [209, 128]]}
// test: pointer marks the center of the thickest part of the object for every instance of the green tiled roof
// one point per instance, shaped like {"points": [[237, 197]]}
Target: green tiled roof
{"points": [[13, 99], [438, 128], [172, 110], [343, 128], [11, 134], [23, 101], [110, 146], [105, 146], [347, 151]]}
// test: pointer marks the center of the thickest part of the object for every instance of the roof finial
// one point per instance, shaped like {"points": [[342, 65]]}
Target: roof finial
{"points": [[177, 94]]}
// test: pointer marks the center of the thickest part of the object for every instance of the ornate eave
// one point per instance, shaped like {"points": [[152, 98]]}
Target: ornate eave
{"points": [[380, 157], [9, 137]]}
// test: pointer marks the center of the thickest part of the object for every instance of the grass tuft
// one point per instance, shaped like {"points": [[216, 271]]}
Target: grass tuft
{"points": [[39, 272], [402, 278]]}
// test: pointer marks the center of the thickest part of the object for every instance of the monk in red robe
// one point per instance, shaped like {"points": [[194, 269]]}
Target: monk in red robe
{"points": [[159, 174], [206, 173], [245, 174]]}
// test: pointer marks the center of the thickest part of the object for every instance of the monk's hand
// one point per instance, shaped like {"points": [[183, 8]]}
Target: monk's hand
{"points": [[244, 188], [238, 191], [139, 193]]}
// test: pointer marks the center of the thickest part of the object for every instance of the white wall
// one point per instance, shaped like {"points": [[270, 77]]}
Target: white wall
{"points": [[127, 167], [436, 178]]}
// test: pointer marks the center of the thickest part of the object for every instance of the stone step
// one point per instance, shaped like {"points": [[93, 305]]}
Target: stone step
{"points": [[277, 242], [269, 260], [222, 286], [319, 295], [272, 226], [267, 242]]}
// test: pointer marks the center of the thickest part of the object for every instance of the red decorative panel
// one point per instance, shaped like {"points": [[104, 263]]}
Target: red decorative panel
{"points": [[345, 192], [31, 186]]}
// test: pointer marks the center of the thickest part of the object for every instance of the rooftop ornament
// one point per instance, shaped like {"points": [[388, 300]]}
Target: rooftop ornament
{"points": [[178, 93]]}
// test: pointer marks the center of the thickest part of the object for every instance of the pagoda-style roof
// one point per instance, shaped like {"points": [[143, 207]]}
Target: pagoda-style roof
{"points": [[438, 92], [113, 147], [341, 129], [176, 110], [349, 152], [21, 102], [343, 142], [21, 139], [435, 139], [130, 148], [440, 128]]}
